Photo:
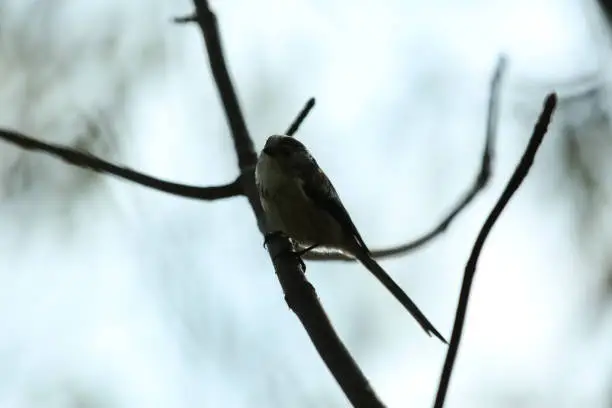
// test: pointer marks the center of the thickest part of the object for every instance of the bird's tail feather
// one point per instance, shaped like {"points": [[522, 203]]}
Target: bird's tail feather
{"points": [[399, 294]]}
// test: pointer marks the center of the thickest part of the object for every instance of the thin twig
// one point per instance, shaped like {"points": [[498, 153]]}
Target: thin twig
{"points": [[299, 294], [300, 117], [243, 144], [480, 182], [523, 167], [90, 162]]}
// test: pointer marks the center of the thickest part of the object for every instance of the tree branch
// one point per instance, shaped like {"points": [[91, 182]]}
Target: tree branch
{"points": [[207, 21], [90, 162], [302, 298], [299, 293], [300, 117], [514, 183], [480, 182]]}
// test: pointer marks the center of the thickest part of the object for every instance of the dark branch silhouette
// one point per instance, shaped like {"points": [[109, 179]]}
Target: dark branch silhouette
{"points": [[299, 293], [90, 162], [300, 117], [539, 131], [480, 182], [302, 298], [207, 21], [606, 10]]}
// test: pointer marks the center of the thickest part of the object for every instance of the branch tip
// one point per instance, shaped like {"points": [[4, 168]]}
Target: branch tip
{"points": [[297, 122], [518, 176], [193, 18]]}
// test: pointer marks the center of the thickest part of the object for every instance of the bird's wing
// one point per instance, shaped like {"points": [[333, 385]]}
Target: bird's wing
{"points": [[319, 189]]}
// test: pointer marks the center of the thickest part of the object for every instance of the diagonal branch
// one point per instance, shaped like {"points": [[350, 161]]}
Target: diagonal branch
{"points": [[90, 162], [480, 182], [523, 167], [207, 21], [302, 298], [300, 117], [299, 293]]}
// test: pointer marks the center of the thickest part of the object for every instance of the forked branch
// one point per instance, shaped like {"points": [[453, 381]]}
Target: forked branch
{"points": [[299, 293], [93, 163]]}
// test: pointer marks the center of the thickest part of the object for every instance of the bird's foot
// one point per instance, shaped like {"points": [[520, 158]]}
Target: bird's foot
{"points": [[298, 255], [270, 235]]}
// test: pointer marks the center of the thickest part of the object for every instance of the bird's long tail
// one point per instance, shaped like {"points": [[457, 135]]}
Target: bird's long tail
{"points": [[399, 294]]}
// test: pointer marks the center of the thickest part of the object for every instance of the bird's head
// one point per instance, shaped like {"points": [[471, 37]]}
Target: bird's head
{"points": [[289, 154]]}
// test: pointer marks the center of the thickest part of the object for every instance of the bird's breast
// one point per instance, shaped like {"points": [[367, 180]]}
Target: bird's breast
{"points": [[290, 210]]}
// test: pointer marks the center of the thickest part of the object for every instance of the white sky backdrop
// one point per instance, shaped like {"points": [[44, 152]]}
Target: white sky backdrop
{"points": [[115, 296]]}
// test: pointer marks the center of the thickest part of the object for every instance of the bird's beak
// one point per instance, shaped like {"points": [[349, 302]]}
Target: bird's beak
{"points": [[268, 151]]}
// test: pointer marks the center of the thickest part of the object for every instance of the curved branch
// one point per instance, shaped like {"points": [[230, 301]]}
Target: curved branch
{"points": [[480, 182], [90, 162], [523, 167]]}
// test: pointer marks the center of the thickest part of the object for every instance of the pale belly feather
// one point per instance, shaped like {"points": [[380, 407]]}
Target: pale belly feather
{"points": [[289, 210]]}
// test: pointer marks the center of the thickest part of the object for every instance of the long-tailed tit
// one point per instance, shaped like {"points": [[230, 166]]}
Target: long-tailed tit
{"points": [[300, 202]]}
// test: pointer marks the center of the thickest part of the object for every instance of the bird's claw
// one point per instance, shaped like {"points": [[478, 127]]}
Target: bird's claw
{"points": [[298, 254], [269, 236]]}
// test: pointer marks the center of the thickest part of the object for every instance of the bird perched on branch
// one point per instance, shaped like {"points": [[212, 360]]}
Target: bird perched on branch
{"points": [[300, 202]]}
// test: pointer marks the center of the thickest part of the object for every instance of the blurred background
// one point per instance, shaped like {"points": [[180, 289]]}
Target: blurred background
{"points": [[112, 295]]}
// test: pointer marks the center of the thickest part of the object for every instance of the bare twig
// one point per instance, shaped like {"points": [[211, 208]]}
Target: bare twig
{"points": [[539, 131], [299, 294], [480, 182], [90, 162], [300, 117]]}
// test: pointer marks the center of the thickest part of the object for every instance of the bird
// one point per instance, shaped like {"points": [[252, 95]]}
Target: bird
{"points": [[300, 202]]}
